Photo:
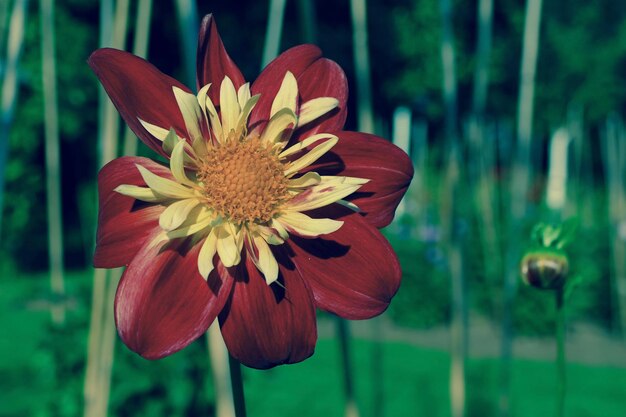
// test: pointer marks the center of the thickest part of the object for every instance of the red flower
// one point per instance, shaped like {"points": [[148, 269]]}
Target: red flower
{"points": [[255, 220]]}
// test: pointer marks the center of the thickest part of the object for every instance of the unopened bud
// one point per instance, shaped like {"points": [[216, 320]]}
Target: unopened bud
{"points": [[545, 268]]}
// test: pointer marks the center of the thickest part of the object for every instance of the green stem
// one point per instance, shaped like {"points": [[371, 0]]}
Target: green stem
{"points": [[560, 356], [227, 380], [351, 409], [237, 384]]}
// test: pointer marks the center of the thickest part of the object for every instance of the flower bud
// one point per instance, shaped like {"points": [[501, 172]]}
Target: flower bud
{"points": [[545, 268]]}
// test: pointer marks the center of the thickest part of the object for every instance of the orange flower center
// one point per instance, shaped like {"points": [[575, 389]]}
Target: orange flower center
{"points": [[243, 180]]}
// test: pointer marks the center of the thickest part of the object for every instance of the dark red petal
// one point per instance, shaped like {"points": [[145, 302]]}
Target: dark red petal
{"points": [[296, 60], [353, 272], [387, 167], [123, 222], [212, 61], [139, 90], [163, 303], [264, 326], [324, 78]]}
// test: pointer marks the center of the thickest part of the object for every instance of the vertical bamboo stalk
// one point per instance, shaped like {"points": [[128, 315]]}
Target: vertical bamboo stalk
{"points": [[274, 31], [487, 197], [10, 85], [419, 155], [101, 343], [615, 169], [520, 182], [458, 325], [360, 49], [483, 52], [5, 6], [556, 189], [530, 49], [111, 122], [458, 328], [402, 139], [307, 18], [187, 13], [449, 71], [140, 48], [107, 349], [94, 342], [574, 205], [53, 168], [365, 123], [454, 251]]}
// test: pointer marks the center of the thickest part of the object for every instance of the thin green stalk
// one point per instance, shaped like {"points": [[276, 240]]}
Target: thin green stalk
{"points": [[274, 31], [188, 25], [226, 373], [107, 350], [10, 84], [111, 122], [614, 163], [113, 26], [4, 24], [53, 166], [306, 16], [378, 368], [483, 52], [519, 185], [140, 48], [90, 389], [560, 353], [365, 114], [237, 385], [458, 325], [448, 64], [351, 409]]}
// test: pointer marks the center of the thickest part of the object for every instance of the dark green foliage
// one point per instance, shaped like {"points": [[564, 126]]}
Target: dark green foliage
{"points": [[423, 298]]}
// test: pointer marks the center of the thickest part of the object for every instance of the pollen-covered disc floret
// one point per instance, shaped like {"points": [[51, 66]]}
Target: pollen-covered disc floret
{"points": [[232, 188], [243, 181]]}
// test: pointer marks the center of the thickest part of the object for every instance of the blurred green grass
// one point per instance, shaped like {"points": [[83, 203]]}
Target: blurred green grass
{"points": [[42, 369]]}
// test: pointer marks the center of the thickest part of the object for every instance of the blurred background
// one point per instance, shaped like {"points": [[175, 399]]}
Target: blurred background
{"points": [[512, 114]]}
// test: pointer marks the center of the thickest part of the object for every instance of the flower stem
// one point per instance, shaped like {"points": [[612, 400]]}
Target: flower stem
{"points": [[560, 356], [227, 381], [236, 381], [351, 409]]}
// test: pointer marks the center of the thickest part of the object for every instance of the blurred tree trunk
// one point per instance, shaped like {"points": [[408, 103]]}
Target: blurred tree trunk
{"points": [[53, 163], [10, 85], [458, 325], [520, 181]]}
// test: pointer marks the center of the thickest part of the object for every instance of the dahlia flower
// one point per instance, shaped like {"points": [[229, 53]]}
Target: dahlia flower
{"points": [[265, 210]]}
